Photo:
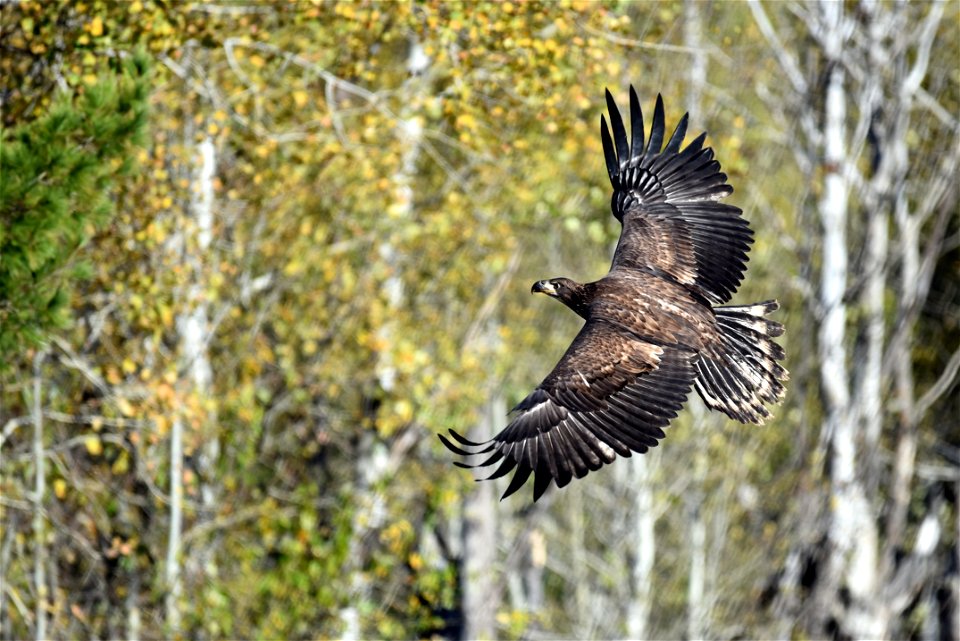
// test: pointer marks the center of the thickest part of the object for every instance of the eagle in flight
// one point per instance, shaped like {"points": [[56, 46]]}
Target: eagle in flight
{"points": [[655, 325]]}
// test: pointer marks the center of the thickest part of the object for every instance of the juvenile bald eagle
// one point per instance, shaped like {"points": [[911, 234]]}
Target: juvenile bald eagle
{"points": [[655, 324]]}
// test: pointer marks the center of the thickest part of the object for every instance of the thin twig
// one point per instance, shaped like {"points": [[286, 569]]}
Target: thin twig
{"points": [[788, 64], [943, 385], [656, 46]]}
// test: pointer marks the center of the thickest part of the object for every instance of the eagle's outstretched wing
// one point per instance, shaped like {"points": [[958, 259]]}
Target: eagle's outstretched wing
{"points": [[668, 203], [611, 393]]}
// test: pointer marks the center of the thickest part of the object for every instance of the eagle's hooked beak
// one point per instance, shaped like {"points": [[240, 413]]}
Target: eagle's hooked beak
{"points": [[544, 287]]}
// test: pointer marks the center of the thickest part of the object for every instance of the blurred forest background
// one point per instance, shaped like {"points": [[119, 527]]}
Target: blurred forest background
{"points": [[253, 256]]}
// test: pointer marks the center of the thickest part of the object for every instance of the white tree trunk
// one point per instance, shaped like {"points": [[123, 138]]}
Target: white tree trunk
{"points": [[370, 511], [872, 299], [852, 531], [373, 459], [134, 622], [693, 39], [197, 337], [642, 472], [6, 553], [173, 579], [195, 334], [480, 590], [583, 624], [698, 610], [40, 488], [913, 286], [194, 330]]}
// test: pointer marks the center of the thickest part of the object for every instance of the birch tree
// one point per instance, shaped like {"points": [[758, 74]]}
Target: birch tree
{"points": [[39, 491], [873, 67], [698, 600], [479, 530]]}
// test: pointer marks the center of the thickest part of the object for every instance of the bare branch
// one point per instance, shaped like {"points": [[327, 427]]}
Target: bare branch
{"points": [[62, 417], [787, 63], [227, 521], [657, 46], [926, 39], [492, 300], [74, 361], [943, 385], [302, 62], [938, 110], [11, 426], [215, 8]]}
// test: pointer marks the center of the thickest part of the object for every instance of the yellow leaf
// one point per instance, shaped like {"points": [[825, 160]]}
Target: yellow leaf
{"points": [[166, 315], [125, 407], [404, 410], [96, 27], [93, 445], [397, 209], [113, 376], [122, 464], [300, 98], [466, 121], [60, 488], [136, 7], [78, 613], [129, 366]]}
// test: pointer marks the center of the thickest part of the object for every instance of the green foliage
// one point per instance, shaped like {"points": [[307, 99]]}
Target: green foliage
{"points": [[58, 174]]}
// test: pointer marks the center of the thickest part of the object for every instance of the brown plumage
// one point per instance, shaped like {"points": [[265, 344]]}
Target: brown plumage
{"points": [[652, 331]]}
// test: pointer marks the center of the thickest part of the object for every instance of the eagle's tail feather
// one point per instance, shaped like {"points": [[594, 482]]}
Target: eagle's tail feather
{"points": [[745, 374]]}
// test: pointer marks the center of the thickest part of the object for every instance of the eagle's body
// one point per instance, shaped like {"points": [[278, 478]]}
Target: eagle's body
{"points": [[654, 326], [656, 309]]}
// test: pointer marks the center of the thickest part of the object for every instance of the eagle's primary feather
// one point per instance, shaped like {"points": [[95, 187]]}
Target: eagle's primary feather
{"points": [[651, 331]]}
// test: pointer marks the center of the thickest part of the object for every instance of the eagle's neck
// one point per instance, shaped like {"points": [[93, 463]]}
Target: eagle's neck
{"points": [[578, 296]]}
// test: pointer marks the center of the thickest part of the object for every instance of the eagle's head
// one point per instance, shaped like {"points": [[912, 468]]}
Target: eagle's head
{"points": [[569, 292]]}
